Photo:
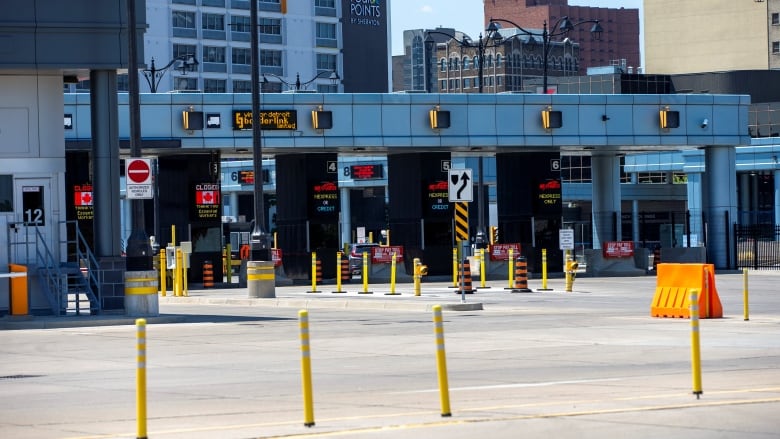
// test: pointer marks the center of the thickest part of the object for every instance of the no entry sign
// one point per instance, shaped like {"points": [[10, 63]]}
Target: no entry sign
{"points": [[139, 171], [138, 174]]}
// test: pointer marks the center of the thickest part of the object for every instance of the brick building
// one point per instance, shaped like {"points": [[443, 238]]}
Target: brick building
{"points": [[619, 42]]}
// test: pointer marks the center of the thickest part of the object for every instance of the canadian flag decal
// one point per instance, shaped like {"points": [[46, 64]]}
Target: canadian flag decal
{"points": [[83, 199], [207, 197]]}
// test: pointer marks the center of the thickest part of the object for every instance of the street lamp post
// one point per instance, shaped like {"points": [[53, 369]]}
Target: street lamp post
{"points": [[153, 75], [259, 240], [561, 27], [492, 39], [334, 79]]}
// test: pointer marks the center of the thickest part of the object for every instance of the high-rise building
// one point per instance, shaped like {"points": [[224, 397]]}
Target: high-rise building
{"points": [[301, 43], [418, 66], [619, 43], [711, 36]]}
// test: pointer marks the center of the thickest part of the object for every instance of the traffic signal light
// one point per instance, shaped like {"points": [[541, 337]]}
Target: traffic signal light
{"points": [[493, 234], [669, 118], [551, 119], [439, 118]]}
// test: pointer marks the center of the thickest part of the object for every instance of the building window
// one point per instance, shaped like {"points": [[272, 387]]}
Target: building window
{"points": [[242, 86], [270, 26], [443, 85], [185, 83], [466, 82], [443, 65], [775, 19], [775, 47], [214, 54], [241, 56], [271, 58], [270, 1], [240, 23], [326, 62], [325, 3], [213, 21], [6, 193], [183, 19], [182, 50], [499, 60], [214, 85], [466, 63], [326, 31]]}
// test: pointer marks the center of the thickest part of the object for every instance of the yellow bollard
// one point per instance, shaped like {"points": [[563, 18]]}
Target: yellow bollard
{"points": [[695, 348], [392, 278], [746, 307], [228, 263], [140, 378], [441, 361], [178, 283], [313, 273], [454, 267], [338, 274], [364, 275], [544, 271], [163, 273], [482, 269], [308, 400], [184, 267], [511, 263], [417, 276]]}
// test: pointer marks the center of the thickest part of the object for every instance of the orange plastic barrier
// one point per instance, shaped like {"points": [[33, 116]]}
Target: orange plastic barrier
{"points": [[672, 291]]}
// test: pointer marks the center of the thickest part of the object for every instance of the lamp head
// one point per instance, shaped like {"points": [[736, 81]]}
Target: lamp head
{"points": [[334, 77], [596, 30], [565, 25]]}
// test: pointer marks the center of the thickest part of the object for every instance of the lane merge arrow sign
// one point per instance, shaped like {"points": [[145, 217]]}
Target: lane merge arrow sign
{"points": [[460, 187]]}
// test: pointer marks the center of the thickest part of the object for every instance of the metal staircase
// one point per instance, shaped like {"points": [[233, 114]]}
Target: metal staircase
{"points": [[71, 287]]}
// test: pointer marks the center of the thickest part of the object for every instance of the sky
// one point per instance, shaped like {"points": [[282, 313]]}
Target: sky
{"points": [[464, 15]]}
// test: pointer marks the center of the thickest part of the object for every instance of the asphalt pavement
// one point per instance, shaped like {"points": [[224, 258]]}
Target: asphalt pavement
{"points": [[591, 363]]}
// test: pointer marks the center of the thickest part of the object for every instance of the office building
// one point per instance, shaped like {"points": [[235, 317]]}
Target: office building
{"points": [[302, 43], [680, 38]]}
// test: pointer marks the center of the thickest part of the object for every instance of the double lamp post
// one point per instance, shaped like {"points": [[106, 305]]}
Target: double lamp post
{"points": [[493, 39]]}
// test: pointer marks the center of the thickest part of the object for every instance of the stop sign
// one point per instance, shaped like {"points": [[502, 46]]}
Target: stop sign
{"points": [[138, 171]]}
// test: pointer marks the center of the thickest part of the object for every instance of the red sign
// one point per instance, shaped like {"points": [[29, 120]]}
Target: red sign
{"points": [[138, 171], [618, 249], [82, 195], [276, 256], [207, 197], [500, 252], [384, 254]]}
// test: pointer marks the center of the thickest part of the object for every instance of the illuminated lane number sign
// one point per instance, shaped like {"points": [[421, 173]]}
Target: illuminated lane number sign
{"points": [[32, 206]]}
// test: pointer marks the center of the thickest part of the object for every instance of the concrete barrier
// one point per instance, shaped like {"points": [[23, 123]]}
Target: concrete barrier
{"points": [[260, 279], [141, 294]]}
